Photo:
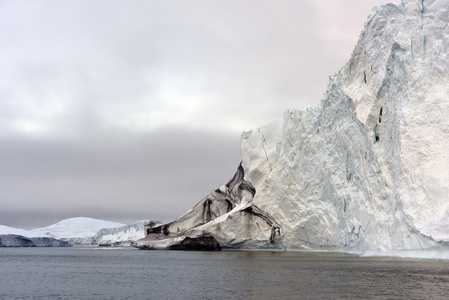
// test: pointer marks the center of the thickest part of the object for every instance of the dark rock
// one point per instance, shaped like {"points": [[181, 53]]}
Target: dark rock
{"points": [[205, 243]]}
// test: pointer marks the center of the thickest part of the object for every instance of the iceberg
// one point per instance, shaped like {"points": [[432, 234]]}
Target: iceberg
{"points": [[80, 230], [79, 227], [367, 169], [114, 236], [13, 240], [16, 237]]}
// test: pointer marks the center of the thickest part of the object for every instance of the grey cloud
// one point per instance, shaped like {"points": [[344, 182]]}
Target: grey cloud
{"points": [[81, 81], [120, 176], [108, 57]]}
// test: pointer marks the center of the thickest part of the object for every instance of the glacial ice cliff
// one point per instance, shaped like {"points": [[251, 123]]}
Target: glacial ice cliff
{"points": [[14, 240], [366, 169], [114, 236], [16, 237]]}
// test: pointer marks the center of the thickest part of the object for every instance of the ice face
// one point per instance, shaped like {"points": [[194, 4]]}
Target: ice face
{"points": [[367, 168], [14, 240]]}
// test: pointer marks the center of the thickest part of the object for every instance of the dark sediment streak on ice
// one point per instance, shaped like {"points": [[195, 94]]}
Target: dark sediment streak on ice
{"points": [[216, 204]]}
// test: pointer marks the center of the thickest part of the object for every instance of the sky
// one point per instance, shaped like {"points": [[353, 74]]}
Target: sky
{"points": [[132, 110]]}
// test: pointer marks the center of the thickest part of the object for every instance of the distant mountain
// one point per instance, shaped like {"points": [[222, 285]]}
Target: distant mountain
{"points": [[365, 169], [79, 227], [80, 230]]}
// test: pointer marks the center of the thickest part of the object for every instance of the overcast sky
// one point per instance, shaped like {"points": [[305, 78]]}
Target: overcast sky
{"points": [[129, 110]]}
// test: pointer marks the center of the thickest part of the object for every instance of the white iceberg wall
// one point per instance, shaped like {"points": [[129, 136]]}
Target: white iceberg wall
{"points": [[413, 95], [120, 235], [14, 240], [260, 151], [350, 175], [328, 189]]}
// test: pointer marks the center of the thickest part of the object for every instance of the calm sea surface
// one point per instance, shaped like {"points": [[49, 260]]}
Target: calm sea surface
{"points": [[102, 273]]}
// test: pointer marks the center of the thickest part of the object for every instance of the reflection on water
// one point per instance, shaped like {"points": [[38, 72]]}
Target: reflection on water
{"points": [[92, 273]]}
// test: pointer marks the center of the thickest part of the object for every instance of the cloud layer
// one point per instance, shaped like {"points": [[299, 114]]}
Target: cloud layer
{"points": [[133, 109]]}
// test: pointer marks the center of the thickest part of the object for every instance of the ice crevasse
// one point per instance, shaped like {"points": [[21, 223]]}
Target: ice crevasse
{"points": [[368, 168]]}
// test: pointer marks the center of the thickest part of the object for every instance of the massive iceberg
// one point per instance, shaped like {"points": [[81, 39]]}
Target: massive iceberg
{"points": [[366, 169]]}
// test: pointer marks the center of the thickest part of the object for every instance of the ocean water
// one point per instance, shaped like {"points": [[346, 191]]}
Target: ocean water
{"points": [[126, 273]]}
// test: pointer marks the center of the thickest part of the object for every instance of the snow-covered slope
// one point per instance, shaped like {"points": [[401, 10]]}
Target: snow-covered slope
{"points": [[366, 169], [80, 227], [18, 231]]}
